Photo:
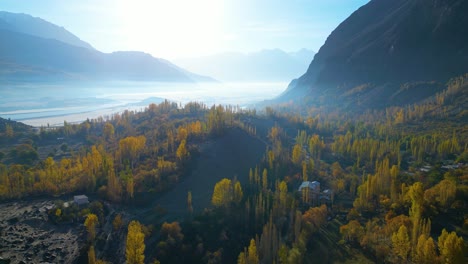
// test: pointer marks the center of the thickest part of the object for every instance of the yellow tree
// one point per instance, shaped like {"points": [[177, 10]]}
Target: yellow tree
{"points": [[135, 247], [265, 179], [91, 255], [252, 255], [222, 194], [238, 193], [416, 194], [131, 147], [241, 259], [296, 156], [90, 224], [430, 253], [182, 152], [451, 247], [425, 252], [401, 243]]}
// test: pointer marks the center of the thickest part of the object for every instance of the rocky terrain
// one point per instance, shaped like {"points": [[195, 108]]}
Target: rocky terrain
{"points": [[26, 235]]}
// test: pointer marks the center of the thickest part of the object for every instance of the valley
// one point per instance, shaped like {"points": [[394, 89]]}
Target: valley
{"points": [[111, 155]]}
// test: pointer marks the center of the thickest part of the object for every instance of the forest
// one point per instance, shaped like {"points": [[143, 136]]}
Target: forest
{"points": [[394, 181]]}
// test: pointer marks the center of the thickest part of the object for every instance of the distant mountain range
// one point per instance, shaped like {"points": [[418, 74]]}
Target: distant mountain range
{"points": [[389, 52], [264, 65], [32, 49], [38, 27]]}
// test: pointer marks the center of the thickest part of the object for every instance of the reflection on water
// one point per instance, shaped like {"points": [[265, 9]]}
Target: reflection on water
{"points": [[42, 105]]}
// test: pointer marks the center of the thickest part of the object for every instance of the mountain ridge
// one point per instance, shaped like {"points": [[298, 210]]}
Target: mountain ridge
{"points": [[388, 44], [27, 57], [36, 26]]}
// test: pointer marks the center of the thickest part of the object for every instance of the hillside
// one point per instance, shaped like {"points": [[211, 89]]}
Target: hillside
{"points": [[386, 47], [38, 27]]}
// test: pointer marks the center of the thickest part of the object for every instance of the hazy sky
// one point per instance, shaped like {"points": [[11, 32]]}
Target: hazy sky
{"points": [[190, 28]]}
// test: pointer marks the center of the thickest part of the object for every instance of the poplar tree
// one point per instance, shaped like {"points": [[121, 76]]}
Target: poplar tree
{"points": [[135, 247]]}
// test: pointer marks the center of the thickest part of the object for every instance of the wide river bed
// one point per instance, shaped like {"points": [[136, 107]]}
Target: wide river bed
{"points": [[46, 104]]}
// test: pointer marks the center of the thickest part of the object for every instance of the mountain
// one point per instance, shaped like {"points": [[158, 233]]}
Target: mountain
{"points": [[264, 65], [38, 27], [387, 49], [57, 55]]}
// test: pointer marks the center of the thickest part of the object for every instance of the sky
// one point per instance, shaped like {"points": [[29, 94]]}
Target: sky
{"points": [[192, 28]]}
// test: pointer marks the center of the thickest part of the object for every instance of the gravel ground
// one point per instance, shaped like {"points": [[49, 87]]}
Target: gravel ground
{"points": [[27, 237]]}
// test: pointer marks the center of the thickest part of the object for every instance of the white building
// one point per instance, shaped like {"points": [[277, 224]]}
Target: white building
{"points": [[312, 186]]}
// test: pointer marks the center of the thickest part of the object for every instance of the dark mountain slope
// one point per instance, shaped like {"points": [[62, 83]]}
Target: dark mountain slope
{"points": [[387, 43], [23, 23]]}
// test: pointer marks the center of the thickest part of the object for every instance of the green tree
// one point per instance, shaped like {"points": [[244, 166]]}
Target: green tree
{"points": [[9, 131], [108, 131]]}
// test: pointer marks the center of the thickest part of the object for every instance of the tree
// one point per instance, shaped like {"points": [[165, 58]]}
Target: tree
{"points": [[241, 259], [182, 152], [135, 247], [108, 131], [416, 194], [401, 243], [265, 179], [91, 255], [315, 217], [131, 147], [172, 232], [297, 154], [305, 177], [189, 203], [90, 224], [451, 247], [9, 131], [252, 255], [238, 193], [222, 193], [117, 223], [425, 252]]}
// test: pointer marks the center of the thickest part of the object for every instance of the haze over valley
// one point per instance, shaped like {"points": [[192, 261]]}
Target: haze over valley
{"points": [[234, 131]]}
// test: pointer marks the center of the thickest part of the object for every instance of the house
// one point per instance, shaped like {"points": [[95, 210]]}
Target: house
{"points": [[310, 191], [80, 199], [327, 194], [312, 186]]}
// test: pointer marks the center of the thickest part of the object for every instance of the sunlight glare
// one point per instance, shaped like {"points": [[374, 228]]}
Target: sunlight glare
{"points": [[172, 28]]}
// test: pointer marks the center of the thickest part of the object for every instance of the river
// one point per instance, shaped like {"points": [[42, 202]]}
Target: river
{"points": [[52, 104]]}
